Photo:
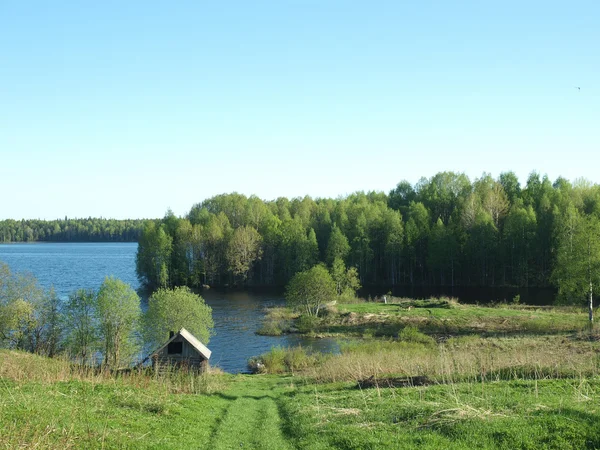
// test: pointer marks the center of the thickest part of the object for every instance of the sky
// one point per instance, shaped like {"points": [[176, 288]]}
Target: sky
{"points": [[125, 109]]}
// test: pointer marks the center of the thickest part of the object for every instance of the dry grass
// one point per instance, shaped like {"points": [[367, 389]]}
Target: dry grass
{"points": [[461, 359], [25, 367]]}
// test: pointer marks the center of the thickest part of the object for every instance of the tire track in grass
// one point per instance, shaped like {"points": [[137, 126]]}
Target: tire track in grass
{"points": [[251, 422]]}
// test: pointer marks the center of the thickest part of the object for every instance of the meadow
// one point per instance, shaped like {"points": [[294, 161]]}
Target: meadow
{"points": [[508, 387]]}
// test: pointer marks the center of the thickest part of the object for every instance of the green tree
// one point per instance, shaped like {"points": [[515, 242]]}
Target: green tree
{"points": [[182, 254], [416, 233], [81, 327], [154, 256], [346, 280], [243, 251], [298, 250], [215, 236], [173, 309], [401, 197], [441, 194], [27, 319], [511, 185], [577, 269], [309, 290], [118, 311], [45, 324], [437, 252], [519, 237], [337, 246]]}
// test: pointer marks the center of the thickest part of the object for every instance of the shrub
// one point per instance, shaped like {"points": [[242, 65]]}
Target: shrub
{"points": [[297, 358], [306, 323], [274, 360], [282, 360], [412, 334]]}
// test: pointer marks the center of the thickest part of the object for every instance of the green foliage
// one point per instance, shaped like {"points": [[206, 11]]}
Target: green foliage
{"points": [[173, 309], [519, 406], [306, 323], [82, 336], [577, 269], [280, 360], [444, 316], [346, 281], [445, 230], [244, 250], [412, 334], [118, 312], [29, 315], [153, 257], [337, 246], [308, 291]]}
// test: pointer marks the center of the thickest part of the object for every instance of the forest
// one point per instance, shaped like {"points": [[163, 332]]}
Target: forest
{"points": [[442, 231], [70, 230]]}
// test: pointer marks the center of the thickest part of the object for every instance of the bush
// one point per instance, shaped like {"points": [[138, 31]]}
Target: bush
{"points": [[274, 360], [306, 324], [412, 334], [283, 360], [296, 359]]}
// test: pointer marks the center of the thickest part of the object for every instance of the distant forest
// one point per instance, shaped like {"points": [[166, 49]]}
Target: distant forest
{"points": [[70, 230], [443, 231]]}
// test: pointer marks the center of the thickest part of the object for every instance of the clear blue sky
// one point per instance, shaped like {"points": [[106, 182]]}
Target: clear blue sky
{"points": [[126, 108]]}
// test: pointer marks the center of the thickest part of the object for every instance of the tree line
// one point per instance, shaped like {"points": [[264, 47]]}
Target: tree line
{"points": [[442, 231], [95, 327], [70, 230]]}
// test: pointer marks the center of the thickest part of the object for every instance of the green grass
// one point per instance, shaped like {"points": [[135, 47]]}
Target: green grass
{"points": [[440, 317], [88, 415], [287, 412], [557, 414], [437, 317]]}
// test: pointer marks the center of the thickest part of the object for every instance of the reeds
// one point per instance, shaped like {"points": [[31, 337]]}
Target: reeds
{"points": [[26, 367], [462, 359]]}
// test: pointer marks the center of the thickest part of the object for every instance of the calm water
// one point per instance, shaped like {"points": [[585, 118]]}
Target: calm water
{"points": [[237, 315], [69, 267]]}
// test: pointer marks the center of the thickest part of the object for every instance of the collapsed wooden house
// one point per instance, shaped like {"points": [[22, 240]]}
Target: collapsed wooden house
{"points": [[182, 349]]}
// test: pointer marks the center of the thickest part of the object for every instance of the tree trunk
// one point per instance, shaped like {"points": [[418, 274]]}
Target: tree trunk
{"points": [[591, 304]]}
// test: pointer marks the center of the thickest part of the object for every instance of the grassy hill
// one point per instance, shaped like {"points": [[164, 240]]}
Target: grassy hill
{"points": [[50, 403]]}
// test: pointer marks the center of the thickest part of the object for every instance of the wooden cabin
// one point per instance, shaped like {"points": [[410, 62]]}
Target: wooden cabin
{"points": [[182, 349]]}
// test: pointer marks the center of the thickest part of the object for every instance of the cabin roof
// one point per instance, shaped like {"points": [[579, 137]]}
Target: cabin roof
{"points": [[191, 339]]}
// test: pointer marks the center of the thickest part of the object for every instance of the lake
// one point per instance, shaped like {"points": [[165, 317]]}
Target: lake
{"points": [[237, 315]]}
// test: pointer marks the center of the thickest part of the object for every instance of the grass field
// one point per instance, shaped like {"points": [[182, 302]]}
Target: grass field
{"points": [[46, 404], [504, 377]]}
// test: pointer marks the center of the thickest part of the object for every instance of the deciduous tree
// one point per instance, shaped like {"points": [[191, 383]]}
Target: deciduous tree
{"points": [[118, 311], [309, 290], [173, 309], [577, 270]]}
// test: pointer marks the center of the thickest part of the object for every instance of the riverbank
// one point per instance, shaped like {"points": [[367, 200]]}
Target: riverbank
{"points": [[44, 403], [441, 317]]}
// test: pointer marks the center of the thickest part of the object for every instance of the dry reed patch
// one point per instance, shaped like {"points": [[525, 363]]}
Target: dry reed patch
{"points": [[22, 367], [489, 359]]}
